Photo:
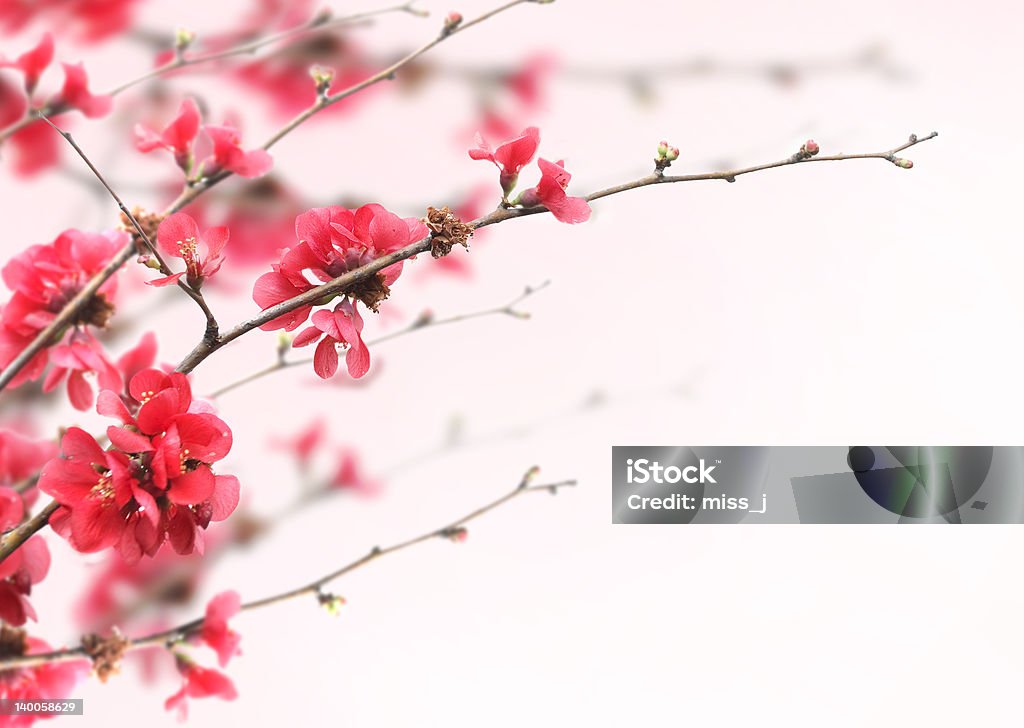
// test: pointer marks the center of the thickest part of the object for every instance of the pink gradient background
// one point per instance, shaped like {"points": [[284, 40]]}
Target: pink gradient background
{"points": [[830, 304]]}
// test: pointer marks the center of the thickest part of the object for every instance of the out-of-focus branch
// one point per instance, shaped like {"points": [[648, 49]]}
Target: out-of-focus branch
{"points": [[326, 100], [171, 637], [419, 324], [320, 21]]}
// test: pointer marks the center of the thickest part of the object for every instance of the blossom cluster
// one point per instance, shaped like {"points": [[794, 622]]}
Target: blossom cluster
{"points": [[217, 149], [333, 241], [512, 156], [155, 483], [44, 278]]}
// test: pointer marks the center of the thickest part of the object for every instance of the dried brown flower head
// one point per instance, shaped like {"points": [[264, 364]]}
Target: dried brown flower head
{"points": [[148, 221], [105, 652], [446, 230]]}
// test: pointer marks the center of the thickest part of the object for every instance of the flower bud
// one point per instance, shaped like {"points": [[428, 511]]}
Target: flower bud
{"points": [[810, 148], [332, 603], [451, 22], [903, 163], [323, 77], [662, 149], [672, 154], [183, 38], [457, 535]]}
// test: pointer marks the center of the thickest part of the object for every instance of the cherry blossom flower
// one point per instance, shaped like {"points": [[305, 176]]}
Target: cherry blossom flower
{"points": [[76, 95], [32, 62], [228, 154], [341, 326], [178, 236], [155, 484], [48, 681], [349, 475], [510, 157], [44, 278], [216, 633], [93, 486], [177, 137], [18, 572], [200, 682], [550, 192], [332, 242]]}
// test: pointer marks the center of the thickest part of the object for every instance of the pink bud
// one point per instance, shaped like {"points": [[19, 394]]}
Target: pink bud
{"points": [[453, 18], [903, 163], [810, 148], [673, 154]]}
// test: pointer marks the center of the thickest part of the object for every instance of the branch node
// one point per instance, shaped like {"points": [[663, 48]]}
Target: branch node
{"points": [[105, 652]]}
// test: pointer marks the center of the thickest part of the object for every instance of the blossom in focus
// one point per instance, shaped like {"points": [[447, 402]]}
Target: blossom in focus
{"points": [[342, 326], [178, 236], [550, 192], [332, 242], [156, 482], [44, 279], [510, 157]]}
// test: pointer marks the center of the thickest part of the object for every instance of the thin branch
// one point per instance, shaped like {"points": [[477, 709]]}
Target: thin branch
{"points": [[326, 100], [421, 323], [344, 282], [171, 637], [48, 335], [211, 320]]}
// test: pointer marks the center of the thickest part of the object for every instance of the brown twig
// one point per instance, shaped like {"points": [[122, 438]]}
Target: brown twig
{"points": [[211, 320], [326, 100], [169, 638], [421, 323], [343, 282]]}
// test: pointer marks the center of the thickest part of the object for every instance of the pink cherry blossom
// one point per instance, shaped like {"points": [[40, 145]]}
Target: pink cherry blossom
{"points": [[200, 682], [228, 154], [32, 62], [216, 633], [550, 192], [178, 236], [178, 137], [343, 326], [510, 157], [76, 95]]}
